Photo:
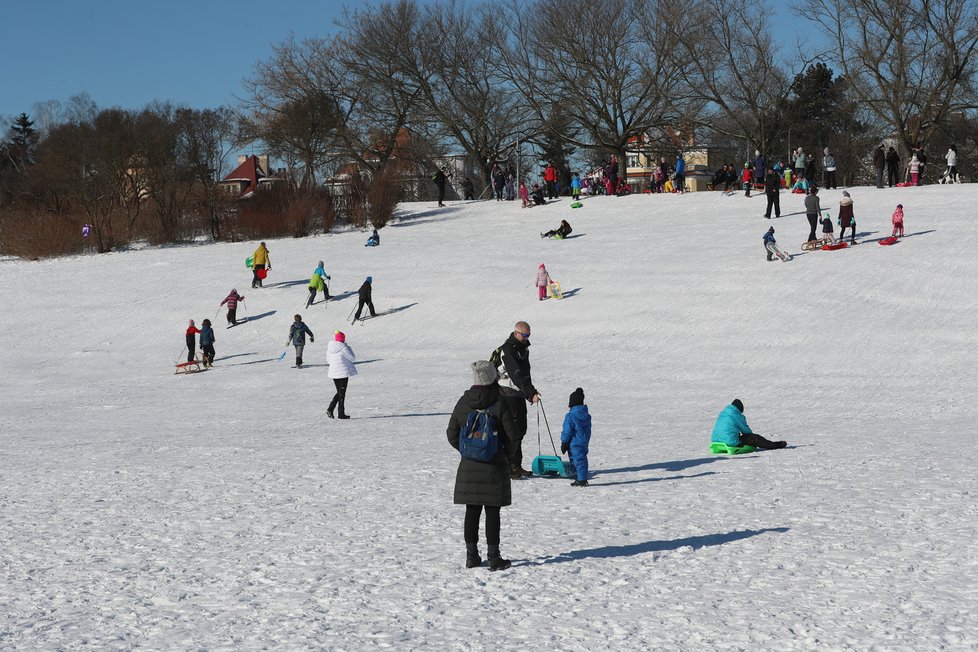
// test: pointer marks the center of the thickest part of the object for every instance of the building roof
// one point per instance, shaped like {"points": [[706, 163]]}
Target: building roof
{"points": [[250, 171]]}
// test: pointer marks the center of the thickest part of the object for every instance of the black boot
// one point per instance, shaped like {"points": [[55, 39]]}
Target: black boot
{"points": [[579, 483], [472, 558], [496, 562]]}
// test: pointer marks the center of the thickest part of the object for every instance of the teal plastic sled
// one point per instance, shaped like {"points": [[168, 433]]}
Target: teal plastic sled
{"points": [[719, 448], [552, 465]]}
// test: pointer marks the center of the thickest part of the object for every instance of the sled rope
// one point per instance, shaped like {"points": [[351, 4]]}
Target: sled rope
{"points": [[539, 444]]}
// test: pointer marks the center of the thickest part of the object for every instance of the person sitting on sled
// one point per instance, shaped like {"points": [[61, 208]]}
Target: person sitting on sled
{"points": [[560, 232], [373, 240], [575, 436], [537, 195], [731, 429]]}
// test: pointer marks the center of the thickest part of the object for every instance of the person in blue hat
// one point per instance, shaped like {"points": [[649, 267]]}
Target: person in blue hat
{"points": [[365, 298]]}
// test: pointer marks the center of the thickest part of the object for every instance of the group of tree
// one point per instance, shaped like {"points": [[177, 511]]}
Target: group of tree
{"points": [[489, 80]]}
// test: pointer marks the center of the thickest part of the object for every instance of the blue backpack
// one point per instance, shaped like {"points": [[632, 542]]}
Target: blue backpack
{"points": [[478, 440]]}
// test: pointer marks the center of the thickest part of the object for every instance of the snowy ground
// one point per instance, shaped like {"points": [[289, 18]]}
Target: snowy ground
{"points": [[222, 510]]}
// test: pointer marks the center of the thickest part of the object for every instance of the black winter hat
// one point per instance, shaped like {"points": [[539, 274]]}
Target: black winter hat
{"points": [[737, 404], [576, 398]]}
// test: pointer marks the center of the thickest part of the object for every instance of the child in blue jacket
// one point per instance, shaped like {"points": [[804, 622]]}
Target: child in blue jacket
{"points": [[576, 435]]}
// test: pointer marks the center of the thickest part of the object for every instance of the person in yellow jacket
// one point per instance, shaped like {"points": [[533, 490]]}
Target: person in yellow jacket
{"points": [[259, 260]]}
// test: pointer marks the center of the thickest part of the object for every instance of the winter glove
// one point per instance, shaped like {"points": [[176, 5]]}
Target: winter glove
{"points": [[564, 446], [311, 339]]}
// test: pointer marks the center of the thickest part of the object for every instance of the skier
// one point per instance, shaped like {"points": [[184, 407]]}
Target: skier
{"points": [[543, 278], [560, 232], [207, 342], [512, 362], [847, 218], [340, 359], [316, 283], [259, 261], [575, 436], [731, 429], [365, 298], [812, 210], [232, 301], [898, 221], [297, 338], [484, 485], [191, 341]]}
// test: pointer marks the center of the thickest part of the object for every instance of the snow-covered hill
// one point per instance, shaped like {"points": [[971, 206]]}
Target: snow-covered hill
{"points": [[222, 510]]}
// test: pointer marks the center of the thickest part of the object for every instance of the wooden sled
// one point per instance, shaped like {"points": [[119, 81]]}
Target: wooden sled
{"points": [[189, 367], [813, 245]]}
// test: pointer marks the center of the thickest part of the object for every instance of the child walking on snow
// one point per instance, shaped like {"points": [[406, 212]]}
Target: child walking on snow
{"points": [[191, 341], [575, 436], [207, 342], [232, 301], [543, 278], [297, 338], [524, 194], [898, 221]]}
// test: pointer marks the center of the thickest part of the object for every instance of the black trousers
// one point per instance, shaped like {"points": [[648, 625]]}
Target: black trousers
{"points": [[829, 179], [473, 514], [812, 222], [757, 441], [312, 296], [842, 233], [191, 346], [892, 177], [773, 199], [255, 280], [233, 315], [369, 304], [339, 398], [517, 405], [208, 353], [441, 194], [551, 189]]}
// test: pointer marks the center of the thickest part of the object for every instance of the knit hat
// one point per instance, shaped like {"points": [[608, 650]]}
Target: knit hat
{"points": [[737, 404], [845, 193], [191, 323], [576, 398], [370, 279], [339, 336], [542, 266], [899, 205], [483, 373]]}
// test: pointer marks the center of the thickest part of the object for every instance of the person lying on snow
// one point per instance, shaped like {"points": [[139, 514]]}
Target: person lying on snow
{"points": [[731, 429]]}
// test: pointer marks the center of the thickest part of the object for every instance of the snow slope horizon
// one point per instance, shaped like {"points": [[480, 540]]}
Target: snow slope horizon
{"points": [[223, 510]]}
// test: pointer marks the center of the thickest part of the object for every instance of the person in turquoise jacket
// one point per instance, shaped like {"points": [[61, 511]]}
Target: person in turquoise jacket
{"points": [[576, 187], [731, 429], [576, 436]]}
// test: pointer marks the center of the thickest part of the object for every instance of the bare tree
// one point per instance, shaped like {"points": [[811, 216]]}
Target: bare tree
{"points": [[612, 77], [728, 57], [912, 63]]}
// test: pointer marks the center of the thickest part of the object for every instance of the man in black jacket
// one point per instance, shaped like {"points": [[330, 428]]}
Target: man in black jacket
{"points": [[512, 361], [772, 188], [440, 178], [365, 298]]}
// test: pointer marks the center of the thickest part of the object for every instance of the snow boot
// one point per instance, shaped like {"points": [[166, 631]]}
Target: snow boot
{"points": [[472, 558], [496, 562], [579, 483], [780, 444], [343, 416]]}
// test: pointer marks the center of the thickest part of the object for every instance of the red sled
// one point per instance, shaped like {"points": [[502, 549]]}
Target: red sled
{"points": [[904, 184], [262, 274], [892, 240], [833, 247]]}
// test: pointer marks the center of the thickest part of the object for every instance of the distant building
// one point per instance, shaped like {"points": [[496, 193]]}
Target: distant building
{"points": [[251, 174]]}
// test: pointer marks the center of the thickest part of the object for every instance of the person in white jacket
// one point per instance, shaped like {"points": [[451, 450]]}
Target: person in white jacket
{"points": [[952, 161], [341, 360]]}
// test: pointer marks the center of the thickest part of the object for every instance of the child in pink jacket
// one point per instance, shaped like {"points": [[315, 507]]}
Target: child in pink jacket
{"points": [[524, 194], [898, 221], [543, 278]]}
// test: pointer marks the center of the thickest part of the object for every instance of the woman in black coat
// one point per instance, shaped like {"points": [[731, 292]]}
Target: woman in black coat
{"points": [[483, 485]]}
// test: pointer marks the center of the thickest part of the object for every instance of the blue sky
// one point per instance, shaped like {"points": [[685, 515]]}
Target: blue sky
{"points": [[128, 53]]}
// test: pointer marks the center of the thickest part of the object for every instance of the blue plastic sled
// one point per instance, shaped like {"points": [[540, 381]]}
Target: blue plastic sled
{"points": [[719, 448], [552, 465]]}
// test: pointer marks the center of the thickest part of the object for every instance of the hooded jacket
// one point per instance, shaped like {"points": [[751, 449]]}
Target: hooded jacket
{"points": [[542, 277], [340, 359], [512, 361], [898, 216], [260, 257], [730, 424], [845, 213], [298, 332], [484, 483], [232, 300], [577, 429]]}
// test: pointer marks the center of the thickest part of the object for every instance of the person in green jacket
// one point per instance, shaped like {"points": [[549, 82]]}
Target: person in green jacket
{"points": [[316, 283]]}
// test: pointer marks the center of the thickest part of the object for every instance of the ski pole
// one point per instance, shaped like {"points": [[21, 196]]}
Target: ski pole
{"points": [[246, 309], [218, 312], [352, 310]]}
